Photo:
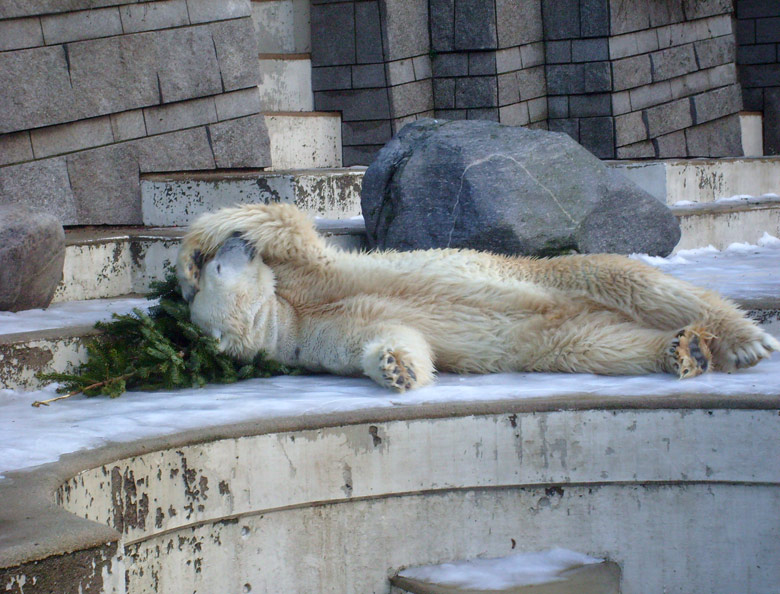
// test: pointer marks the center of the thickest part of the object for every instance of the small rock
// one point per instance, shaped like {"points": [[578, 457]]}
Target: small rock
{"points": [[506, 189], [32, 251]]}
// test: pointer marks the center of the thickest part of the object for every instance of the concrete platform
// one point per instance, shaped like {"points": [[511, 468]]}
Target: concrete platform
{"points": [[304, 139]]}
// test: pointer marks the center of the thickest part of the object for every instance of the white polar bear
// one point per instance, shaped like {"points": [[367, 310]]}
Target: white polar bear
{"points": [[260, 278]]}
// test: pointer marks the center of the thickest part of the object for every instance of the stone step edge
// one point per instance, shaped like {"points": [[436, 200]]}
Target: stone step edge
{"points": [[284, 56], [242, 174], [730, 205], [303, 114]]}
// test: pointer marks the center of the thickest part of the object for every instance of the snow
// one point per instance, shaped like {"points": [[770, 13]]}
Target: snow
{"points": [[33, 436], [522, 569], [724, 200]]}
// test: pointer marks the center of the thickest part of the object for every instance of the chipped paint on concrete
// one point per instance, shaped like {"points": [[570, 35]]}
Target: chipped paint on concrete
{"points": [[628, 484], [721, 229], [304, 140], [177, 200], [21, 360]]}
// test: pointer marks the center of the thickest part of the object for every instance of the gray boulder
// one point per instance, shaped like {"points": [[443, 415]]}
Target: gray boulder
{"points": [[32, 250], [504, 189]]}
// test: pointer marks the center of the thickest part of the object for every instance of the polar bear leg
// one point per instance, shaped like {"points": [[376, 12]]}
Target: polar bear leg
{"points": [[397, 357]]}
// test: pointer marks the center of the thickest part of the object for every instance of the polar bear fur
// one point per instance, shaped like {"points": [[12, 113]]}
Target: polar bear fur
{"points": [[260, 278]]}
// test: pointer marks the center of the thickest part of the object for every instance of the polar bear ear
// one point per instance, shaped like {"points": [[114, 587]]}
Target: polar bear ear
{"points": [[235, 253]]}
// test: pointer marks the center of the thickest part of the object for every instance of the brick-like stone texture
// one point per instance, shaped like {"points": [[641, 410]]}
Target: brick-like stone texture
{"points": [[718, 138], [15, 148], [20, 34]]}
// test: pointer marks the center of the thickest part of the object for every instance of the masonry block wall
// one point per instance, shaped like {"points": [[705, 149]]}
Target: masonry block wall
{"points": [[94, 93], [371, 61], [758, 59]]}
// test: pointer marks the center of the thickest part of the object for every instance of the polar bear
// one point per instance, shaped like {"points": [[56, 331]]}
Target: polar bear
{"points": [[260, 278]]}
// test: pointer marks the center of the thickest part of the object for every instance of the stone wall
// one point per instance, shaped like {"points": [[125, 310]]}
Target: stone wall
{"points": [[95, 93], [758, 56], [626, 78]]}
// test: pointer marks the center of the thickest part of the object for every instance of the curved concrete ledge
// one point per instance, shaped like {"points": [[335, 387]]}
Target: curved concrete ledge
{"points": [[682, 491]]}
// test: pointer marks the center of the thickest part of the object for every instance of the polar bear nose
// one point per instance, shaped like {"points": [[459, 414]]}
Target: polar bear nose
{"points": [[188, 291]]}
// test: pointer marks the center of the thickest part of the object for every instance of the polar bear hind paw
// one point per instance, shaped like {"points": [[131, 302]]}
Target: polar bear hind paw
{"points": [[689, 354], [396, 372]]}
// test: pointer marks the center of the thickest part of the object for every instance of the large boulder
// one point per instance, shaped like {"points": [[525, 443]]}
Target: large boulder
{"points": [[32, 250], [505, 189]]}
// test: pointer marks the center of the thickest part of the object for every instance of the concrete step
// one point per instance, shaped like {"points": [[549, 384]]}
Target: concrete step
{"points": [[751, 124], [551, 572], [286, 82], [176, 199], [282, 26], [304, 140]]}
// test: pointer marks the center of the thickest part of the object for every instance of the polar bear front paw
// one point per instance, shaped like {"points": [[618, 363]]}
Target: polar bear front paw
{"points": [[689, 354], [396, 371]]}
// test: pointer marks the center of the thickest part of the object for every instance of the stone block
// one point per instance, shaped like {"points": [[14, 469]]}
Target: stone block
{"points": [[514, 115], [632, 72], [631, 44], [482, 63], [532, 83], [369, 76], [671, 145], [751, 9], [588, 106], [176, 116], [241, 143], [594, 18], [360, 155], [372, 133], [65, 138], [669, 117], [621, 103], [442, 15], [630, 128], [411, 98], [628, 15], [451, 114], [335, 42], [567, 126], [718, 138], [753, 99], [282, 26], [128, 125], [508, 60], [508, 90], [589, 50], [475, 25], [681, 33], [720, 76], [672, 62], [665, 12], [696, 9], [237, 104], [184, 150], [717, 103], [759, 75], [518, 22], [714, 52], [204, 11], [357, 105], [718, 26], [558, 52], [32, 252], [236, 48], [40, 185], [558, 107], [532, 54], [771, 121], [450, 65], [15, 148], [20, 34], [84, 24], [746, 31], [639, 150], [153, 15], [757, 54], [444, 92], [422, 67], [405, 32], [331, 78], [597, 135], [537, 109], [106, 186], [650, 95], [597, 77], [474, 92], [768, 30], [561, 19], [368, 34], [400, 72], [490, 114], [565, 79], [690, 84]]}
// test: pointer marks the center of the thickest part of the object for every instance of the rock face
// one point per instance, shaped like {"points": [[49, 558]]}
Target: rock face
{"points": [[32, 250], [511, 190]]}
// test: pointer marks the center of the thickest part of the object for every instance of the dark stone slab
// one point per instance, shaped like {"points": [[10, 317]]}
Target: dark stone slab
{"points": [[368, 34], [442, 15], [475, 25], [32, 251], [477, 184], [476, 91], [334, 43]]}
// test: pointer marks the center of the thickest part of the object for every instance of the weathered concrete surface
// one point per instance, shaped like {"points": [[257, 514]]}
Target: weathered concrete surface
{"points": [[301, 140], [229, 508]]}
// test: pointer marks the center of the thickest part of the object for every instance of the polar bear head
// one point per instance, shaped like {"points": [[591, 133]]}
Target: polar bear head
{"points": [[235, 289]]}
